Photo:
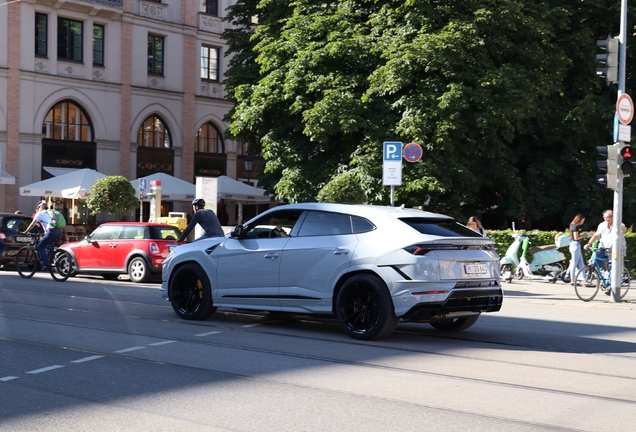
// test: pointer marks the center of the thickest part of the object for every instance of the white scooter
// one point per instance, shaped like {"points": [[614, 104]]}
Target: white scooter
{"points": [[547, 261]]}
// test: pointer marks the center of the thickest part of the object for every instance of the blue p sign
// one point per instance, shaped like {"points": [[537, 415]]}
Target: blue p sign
{"points": [[392, 151]]}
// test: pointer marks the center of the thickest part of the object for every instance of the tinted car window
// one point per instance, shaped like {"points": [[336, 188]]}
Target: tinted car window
{"points": [[106, 232], [361, 225], [13, 225], [263, 226], [324, 223], [440, 227], [164, 233]]}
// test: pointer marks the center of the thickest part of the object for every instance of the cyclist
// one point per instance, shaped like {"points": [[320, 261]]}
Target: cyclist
{"points": [[50, 233], [204, 217], [606, 233]]}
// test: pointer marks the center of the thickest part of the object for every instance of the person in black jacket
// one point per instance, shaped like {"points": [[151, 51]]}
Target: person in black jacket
{"points": [[204, 217]]}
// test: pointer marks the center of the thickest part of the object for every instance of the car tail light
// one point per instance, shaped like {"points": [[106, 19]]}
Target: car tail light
{"points": [[153, 248], [3, 236], [423, 249]]}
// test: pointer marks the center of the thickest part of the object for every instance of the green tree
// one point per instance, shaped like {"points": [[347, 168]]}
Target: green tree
{"points": [[501, 94], [343, 188], [111, 194]]}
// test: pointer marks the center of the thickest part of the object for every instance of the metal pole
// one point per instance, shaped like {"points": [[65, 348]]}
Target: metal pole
{"points": [[392, 196], [617, 248]]}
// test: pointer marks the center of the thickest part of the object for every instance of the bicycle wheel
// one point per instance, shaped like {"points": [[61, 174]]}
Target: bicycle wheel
{"points": [[26, 261], [61, 265], [587, 288], [625, 283]]}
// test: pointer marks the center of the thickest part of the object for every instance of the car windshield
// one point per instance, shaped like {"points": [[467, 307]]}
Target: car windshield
{"points": [[443, 227], [164, 233]]}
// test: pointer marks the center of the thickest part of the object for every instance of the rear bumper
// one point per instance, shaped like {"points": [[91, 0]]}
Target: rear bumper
{"points": [[461, 302]]}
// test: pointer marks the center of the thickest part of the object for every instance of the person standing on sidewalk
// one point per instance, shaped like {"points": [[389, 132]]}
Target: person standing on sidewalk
{"points": [[576, 261]]}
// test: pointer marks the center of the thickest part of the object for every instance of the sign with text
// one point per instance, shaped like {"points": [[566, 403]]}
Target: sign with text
{"points": [[392, 163]]}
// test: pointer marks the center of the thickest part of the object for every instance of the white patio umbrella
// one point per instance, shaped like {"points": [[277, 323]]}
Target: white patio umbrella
{"points": [[74, 185], [230, 189], [64, 186], [172, 188]]}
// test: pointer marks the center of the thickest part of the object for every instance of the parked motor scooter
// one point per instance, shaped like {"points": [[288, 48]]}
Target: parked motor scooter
{"points": [[547, 261]]}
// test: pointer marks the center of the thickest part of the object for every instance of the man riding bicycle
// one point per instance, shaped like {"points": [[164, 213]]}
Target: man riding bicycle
{"points": [[606, 233], [50, 233]]}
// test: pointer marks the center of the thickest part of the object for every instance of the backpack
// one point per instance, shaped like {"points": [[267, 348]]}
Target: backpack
{"points": [[57, 219]]}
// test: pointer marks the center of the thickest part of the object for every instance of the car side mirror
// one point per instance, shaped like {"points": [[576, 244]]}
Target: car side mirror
{"points": [[237, 232]]}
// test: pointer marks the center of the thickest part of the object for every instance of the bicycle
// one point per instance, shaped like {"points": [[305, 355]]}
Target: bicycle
{"points": [[27, 260], [593, 277]]}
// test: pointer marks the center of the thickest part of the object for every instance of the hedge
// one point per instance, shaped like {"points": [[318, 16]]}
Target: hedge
{"points": [[503, 239]]}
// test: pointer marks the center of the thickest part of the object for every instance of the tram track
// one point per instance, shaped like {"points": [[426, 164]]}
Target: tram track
{"points": [[269, 380], [66, 306]]}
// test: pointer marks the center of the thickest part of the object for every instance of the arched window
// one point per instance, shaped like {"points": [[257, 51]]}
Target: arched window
{"points": [[67, 121], [154, 133], [209, 140]]}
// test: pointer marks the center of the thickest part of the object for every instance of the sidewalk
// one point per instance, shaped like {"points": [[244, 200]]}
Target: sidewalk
{"points": [[529, 291]]}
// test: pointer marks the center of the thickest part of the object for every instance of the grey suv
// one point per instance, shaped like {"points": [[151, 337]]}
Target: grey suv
{"points": [[10, 227], [369, 266]]}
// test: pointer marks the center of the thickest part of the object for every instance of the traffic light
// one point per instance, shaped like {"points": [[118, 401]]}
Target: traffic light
{"points": [[626, 164], [608, 59], [609, 165]]}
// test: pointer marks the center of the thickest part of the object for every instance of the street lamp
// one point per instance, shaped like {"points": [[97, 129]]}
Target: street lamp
{"points": [[249, 165]]}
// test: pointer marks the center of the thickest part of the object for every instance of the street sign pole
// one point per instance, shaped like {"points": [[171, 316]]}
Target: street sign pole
{"points": [[392, 166], [617, 248]]}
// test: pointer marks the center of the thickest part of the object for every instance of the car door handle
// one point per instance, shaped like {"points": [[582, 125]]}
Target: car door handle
{"points": [[112, 245], [340, 251], [271, 255]]}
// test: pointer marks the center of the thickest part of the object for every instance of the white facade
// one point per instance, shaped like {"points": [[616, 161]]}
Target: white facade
{"points": [[116, 97]]}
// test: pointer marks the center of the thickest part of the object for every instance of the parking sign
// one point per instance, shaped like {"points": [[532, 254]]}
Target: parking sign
{"points": [[392, 163]]}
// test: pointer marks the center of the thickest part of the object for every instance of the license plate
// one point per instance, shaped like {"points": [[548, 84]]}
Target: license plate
{"points": [[23, 239], [477, 268]]}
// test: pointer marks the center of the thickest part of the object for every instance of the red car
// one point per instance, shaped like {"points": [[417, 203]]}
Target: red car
{"points": [[134, 248]]}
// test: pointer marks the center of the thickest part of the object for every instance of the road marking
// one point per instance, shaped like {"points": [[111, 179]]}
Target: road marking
{"points": [[208, 333], [85, 359], [45, 369], [125, 350], [250, 325], [8, 378], [161, 343]]}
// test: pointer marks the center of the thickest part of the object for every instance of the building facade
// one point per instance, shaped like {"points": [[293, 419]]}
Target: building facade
{"points": [[126, 87]]}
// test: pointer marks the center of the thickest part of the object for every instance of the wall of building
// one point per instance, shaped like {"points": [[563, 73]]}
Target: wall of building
{"points": [[117, 97]]}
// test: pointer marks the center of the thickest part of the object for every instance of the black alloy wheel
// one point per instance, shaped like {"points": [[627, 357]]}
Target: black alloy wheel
{"points": [[365, 309], [190, 292]]}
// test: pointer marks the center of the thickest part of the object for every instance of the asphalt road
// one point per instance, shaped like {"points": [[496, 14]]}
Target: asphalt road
{"points": [[96, 355]]}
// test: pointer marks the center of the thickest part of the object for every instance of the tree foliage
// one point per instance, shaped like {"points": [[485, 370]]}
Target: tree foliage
{"points": [[501, 94], [111, 194], [343, 188]]}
